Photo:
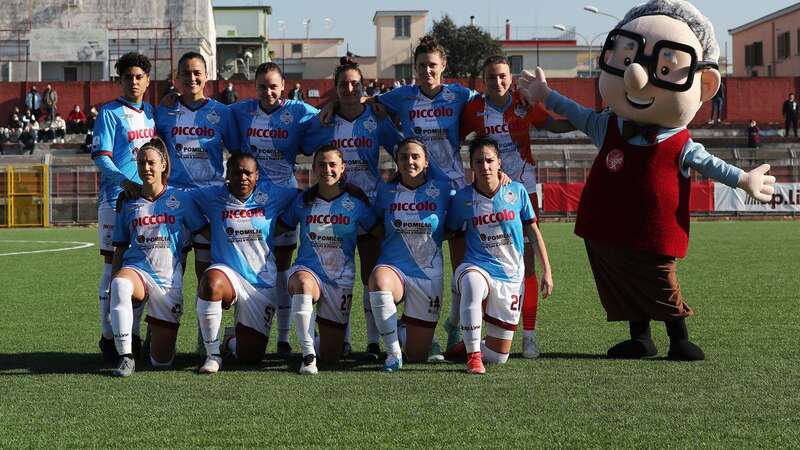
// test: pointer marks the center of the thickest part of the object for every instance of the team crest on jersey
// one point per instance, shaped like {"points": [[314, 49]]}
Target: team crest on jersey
{"points": [[348, 204], [432, 191], [212, 117], [510, 197], [448, 95], [287, 118], [520, 110], [261, 197], [615, 160], [173, 203], [370, 124]]}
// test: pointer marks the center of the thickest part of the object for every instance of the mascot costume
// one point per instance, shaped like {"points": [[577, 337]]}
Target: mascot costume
{"points": [[659, 64]]}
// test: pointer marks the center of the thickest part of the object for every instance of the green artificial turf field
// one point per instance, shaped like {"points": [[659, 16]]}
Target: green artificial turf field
{"points": [[742, 278]]}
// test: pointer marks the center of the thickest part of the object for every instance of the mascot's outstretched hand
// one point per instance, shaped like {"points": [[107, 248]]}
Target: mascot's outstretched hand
{"points": [[533, 86], [757, 184]]}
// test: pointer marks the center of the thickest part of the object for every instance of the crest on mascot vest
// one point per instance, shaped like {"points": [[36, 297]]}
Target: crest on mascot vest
{"points": [[615, 160]]}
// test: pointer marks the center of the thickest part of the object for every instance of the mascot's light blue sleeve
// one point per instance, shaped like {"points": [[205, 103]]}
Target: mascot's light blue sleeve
{"points": [[593, 123]]}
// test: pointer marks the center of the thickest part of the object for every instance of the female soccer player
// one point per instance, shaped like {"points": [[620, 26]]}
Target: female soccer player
{"points": [[329, 214], [502, 115], [359, 133], [494, 217], [271, 129], [122, 126], [242, 218], [148, 240], [409, 270]]}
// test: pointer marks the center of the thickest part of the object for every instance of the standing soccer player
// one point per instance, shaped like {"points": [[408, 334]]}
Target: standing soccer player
{"points": [[242, 217], [122, 126], [271, 129], [494, 217], [501, 115]]}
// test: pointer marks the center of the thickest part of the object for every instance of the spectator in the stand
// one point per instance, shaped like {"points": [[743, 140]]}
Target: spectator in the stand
{"points": [[790, 114], [27, 139], [383, 89], [27, 118], [50, 99], [33, 101], [91, 120], [59, 128], [15, 122], [229, 95], [753, 134], [716, 105], [347, 59], [371, 89], [76, 121], [297, 93], [14, 112]]}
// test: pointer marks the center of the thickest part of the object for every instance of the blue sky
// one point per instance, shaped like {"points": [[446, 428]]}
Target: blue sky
{"points": [[353, 20]]}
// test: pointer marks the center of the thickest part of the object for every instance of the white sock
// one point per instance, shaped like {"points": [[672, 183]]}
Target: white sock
{"points": [[302, 309], [121, 314], [473, 291], [138, 311], [347, 334], [105, 302], [209, 316], [385, 314], [490, 356], [373, 335], [284, 307], [528, 333], [455, 309]]}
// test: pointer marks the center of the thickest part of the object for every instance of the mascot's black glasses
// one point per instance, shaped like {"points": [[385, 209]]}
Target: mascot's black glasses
{"points": [[671, 65]]}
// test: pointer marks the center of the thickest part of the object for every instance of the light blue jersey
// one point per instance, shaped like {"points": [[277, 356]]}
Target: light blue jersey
{"points": [[328, 234], [435, 121], [413, 222], [194, 138], [242, 231], [121, 128], [495, 240], [155, 231], [360, 142], [274, 138]]}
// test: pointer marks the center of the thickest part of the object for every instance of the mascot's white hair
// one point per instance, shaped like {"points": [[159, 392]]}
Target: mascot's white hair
{"points": [[685, 12]]}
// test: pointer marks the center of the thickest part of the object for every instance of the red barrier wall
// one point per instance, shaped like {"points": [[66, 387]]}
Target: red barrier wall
{"points": [[747, 98], [564, 197]]}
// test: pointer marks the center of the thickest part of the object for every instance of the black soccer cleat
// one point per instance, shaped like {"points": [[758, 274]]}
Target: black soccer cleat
{"points": [[284, 350]]}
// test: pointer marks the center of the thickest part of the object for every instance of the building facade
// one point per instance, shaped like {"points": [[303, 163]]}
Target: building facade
{"points": [[397, 33], [768, 46], [242, 28]]}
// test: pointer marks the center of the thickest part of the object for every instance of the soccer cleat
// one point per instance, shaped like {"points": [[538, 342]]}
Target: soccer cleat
{"points": [[453, 333], [530, 346], [108, 349], [309, 366], [435, 353], [475, 364], [284, 350], [212, 365], [373, 352], [126, 367], [393, 363]]}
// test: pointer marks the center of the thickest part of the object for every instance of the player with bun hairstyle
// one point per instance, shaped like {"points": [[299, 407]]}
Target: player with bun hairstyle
{"points": [[272, 128], [148, 240]]}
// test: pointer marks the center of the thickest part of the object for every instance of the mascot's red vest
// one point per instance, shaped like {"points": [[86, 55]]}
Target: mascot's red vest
{"points": [[636, 196]]}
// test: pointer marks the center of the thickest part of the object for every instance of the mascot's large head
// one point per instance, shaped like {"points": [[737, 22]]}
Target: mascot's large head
{"points": [[659, 64]]}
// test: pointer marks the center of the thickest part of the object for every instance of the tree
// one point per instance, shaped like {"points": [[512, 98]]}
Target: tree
{"points": [[467, 47]]}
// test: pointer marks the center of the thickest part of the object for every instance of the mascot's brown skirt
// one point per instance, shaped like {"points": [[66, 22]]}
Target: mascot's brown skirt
{"points": [[636, 285]]}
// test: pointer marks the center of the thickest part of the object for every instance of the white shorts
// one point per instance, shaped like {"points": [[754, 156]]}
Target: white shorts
{"points": [[287, 239], [255, 307], [503, 305], [422, 298], [106, 219], [333, 307], [164, 306]]}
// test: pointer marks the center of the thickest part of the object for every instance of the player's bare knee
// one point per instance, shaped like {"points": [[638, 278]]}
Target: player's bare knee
{"points": [[381, 279]]}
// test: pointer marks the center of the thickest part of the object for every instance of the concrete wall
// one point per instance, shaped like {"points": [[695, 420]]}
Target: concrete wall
{"points": [[767, 33], [391, 50], [312, 48], [246, 22]]}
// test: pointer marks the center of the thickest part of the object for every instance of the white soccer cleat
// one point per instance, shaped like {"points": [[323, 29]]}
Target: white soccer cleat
{"points": [[309, 366], [530, 346], [212, 365]]}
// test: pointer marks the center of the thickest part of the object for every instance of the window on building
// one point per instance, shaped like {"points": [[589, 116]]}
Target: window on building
{"points": [[515, 62], [784, 43], [402, 71], [297, 48], [402, 26], [753, 54]]}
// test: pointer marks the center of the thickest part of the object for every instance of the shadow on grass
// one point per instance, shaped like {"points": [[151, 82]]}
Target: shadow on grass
{"points": [[562, 355]]}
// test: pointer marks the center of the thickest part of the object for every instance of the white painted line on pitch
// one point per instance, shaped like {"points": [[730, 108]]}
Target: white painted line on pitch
{"points": [[79, 245]]}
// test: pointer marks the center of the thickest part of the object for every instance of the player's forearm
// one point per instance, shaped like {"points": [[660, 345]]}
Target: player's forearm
{"points": [[535, 237], [109, 169]]}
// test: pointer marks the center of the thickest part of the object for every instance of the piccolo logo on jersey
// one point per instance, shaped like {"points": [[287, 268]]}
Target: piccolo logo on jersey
{"points": [[419, 206], [156, 219], [193, 131], [430, 113], [272, 133], [501, 128], [144, 133], [352, 142], [242, 213], [487, 219], [327, 219]]}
